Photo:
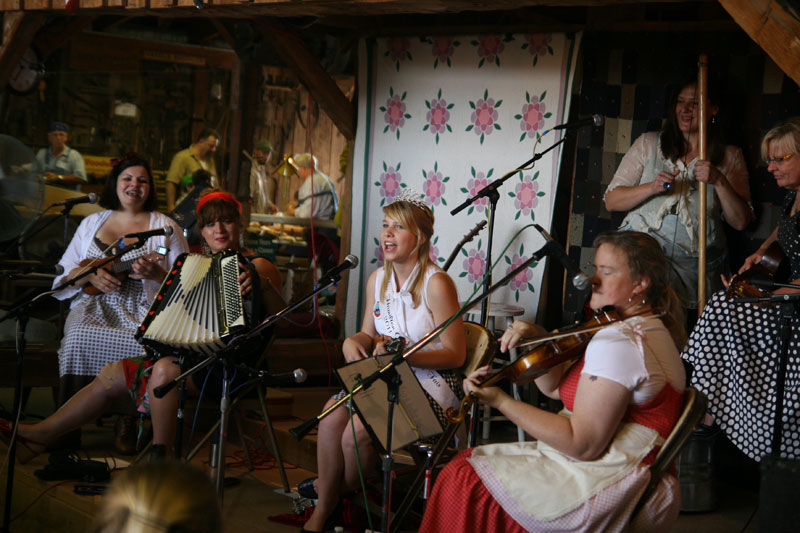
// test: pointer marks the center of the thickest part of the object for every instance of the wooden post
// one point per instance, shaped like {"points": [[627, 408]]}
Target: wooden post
{"points": [[702, 97]]}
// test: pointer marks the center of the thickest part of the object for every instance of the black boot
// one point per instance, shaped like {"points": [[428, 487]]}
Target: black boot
{"points": [[696, 471]]}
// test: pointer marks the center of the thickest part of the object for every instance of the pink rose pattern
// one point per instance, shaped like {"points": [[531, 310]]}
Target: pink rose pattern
{"points": [[474, 265], [489, 48], [484, 115], [394, 112], [531, 119], [433, 252], [433, 188], [522, 281], [438, 115], [443, 49], [397, 50], [390, 183], [377, 258], [538, 44], [475, 184], [526, 195]]}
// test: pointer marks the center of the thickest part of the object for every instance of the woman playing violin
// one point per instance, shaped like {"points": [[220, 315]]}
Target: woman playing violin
{"points": [[590, 461], [735, 347], [407, 297]]}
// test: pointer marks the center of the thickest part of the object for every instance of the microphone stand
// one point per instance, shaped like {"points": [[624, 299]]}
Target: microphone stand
{"points": [[491, 192], [225, 356], [787, 311], [20, 312]]}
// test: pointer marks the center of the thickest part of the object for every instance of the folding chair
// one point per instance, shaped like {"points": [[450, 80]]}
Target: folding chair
{"points": [[694, 407]]}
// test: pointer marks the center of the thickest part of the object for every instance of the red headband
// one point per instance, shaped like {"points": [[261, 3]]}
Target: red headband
{"points": [[219, 196]]}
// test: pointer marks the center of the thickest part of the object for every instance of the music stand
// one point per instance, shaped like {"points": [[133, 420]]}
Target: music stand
{"points": [[401, 387]]}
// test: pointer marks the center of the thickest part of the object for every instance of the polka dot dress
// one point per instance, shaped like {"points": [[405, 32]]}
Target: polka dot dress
{"points": [[735, 350], [99, 329]]}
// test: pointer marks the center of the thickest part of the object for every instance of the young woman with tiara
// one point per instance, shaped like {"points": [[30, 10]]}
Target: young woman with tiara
{"points": [[407, 298]]}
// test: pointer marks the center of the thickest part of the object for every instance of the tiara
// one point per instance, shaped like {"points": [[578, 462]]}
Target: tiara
{"points": [[411, 196]]}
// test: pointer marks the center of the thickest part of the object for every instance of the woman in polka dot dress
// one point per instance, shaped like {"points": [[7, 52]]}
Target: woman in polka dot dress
{"points": [[735, 348]]}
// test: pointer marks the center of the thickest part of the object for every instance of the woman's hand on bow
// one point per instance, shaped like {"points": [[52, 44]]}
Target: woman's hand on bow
{"points": [[518, 331]]}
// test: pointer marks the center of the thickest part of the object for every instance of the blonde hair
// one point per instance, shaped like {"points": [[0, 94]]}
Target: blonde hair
{"points": [[160, 496], [419, 221], [646, 260], [786, 134]]}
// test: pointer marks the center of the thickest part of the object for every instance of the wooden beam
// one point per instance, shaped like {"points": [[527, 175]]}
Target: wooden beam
{"points": [[223, 32], [18, 31], [52, 39], [322, 87], [776, 31]]}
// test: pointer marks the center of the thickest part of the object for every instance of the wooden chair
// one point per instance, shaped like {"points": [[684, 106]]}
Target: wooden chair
{"points": [[694, 407], [481, 348]]}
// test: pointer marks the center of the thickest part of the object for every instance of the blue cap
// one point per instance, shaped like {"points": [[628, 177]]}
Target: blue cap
{"points": [[58, 126]]}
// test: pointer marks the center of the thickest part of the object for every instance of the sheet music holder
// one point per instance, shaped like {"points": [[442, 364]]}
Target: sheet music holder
{"points": [[414, 418]]}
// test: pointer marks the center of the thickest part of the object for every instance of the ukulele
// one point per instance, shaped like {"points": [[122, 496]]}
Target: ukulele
{"points": [[120, 268], [740, 285]]}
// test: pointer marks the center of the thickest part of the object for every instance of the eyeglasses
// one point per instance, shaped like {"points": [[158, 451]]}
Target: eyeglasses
{"points": [[778, 160]]}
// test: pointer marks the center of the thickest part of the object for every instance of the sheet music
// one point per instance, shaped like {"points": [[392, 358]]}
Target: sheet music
{"points": [[414, 418]]}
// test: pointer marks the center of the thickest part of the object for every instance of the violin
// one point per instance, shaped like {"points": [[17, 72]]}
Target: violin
{"points": [[551, 352], [740, 285]]}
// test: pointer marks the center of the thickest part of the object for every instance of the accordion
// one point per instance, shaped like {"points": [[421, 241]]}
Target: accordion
{"points": [[198, 308]]}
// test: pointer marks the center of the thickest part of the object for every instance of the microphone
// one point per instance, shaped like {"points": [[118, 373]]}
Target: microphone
{"points": [[298, 375], [28, 267], [349, 262], [90, 198], [579, 280], [144, 235], [594, 120]]}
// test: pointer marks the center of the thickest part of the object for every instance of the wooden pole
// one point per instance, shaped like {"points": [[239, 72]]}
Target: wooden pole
{"points": [[702, 98]]}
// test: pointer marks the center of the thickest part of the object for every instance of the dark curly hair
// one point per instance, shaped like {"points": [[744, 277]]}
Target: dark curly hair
{"points": [[109, 198]]}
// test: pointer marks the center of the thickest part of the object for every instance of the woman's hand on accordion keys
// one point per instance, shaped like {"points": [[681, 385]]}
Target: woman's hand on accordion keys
{"points": [[245, 283]]}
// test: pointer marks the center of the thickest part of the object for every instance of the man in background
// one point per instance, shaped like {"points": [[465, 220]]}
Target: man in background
{"points": [[262, 186], [62, 165], [198, 156], [317, 186]]}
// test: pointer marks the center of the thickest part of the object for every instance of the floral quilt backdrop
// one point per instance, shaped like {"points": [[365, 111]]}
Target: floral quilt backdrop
{"points": [[446, 116]]}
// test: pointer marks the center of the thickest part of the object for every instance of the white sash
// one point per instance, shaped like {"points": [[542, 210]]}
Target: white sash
{"points": [[394, 307]]}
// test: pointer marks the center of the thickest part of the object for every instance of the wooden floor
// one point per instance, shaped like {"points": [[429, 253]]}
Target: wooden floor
{"points": [[54, 506]]}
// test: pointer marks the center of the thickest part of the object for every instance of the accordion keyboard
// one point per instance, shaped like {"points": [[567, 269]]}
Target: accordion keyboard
{"points": [[199, 306]]}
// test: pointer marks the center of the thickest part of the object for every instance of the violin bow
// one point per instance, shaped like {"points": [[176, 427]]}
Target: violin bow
{"points": [[578, 331]]}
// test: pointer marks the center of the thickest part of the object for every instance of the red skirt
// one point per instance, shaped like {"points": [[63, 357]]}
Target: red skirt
{"points": [[460, 502]]}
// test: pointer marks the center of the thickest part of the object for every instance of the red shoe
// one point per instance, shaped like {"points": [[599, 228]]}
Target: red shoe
{"points": [[27, 449]]}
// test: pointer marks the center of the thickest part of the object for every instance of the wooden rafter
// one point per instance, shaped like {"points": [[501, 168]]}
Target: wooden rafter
{"points": [[775, 30], [322, 87]]}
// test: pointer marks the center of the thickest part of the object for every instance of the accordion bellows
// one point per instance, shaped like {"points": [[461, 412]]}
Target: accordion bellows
{"points": [[198, 308]]}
